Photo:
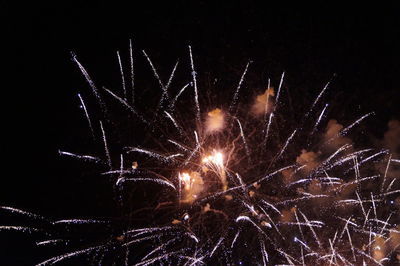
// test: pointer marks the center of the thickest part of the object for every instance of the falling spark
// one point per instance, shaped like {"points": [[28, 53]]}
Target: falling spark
{"points": [[236, 95], [105, 145], [86, 114], [122, 76], [196, 93]]}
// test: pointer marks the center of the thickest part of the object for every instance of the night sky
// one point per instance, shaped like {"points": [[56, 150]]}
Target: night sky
{"points": [[39, 82]]}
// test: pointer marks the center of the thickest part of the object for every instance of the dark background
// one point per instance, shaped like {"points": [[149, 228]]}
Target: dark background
{"points": [[40, 111]]}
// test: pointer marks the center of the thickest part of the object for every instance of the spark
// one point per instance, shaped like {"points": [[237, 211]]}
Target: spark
{"points": [[173, 102], [122, 76], [132, 71], [319, 119], [86, 114], [386, 171], [236, 94], [196, 93], [286, 144], [22, 212], [279, 88], [90, 81], [358, 121], [80, 157], [244, 139], [155, 180], [106, 146], [126, 105], [318, 98]]}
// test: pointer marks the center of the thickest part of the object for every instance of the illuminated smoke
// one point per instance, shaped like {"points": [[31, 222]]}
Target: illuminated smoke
{"points": [[264, 102], [214, 121]]}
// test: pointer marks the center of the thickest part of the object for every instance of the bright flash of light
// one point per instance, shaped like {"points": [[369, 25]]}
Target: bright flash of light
{"points": [[186, 180], [215, 161], [192, 185]]}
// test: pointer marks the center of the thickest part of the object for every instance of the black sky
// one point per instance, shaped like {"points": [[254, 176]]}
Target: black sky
{"points": [[39, 110]]}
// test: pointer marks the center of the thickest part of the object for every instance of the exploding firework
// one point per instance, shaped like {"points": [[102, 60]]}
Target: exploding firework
{"points": [[228, 182]]}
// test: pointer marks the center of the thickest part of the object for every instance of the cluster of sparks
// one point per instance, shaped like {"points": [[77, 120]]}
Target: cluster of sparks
{"points": [[227, 189]]}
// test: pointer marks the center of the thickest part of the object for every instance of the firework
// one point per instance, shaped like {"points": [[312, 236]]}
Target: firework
{"points": [[228, 184]]}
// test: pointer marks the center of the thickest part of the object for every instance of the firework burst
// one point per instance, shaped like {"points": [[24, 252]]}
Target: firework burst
{"points": [[230, 183]]}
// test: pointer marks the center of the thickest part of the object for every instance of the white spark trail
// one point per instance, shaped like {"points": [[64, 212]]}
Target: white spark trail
{"points": [[271, 116], [298, 224], [90, 81], [80, 221], [180, 146], [390, 193], [236, 94], [196, 149], [279, 89], [124, 103], [172, 105], [155, 180], [351, 243], [152, 154], [246, 218], [149, 230], [310, 225], [302, 243], [373, 205], [356, 169], [138, 240], [172, 156], [368, 256], [271, 206], [106, 146], [318, 97], [174, 122], [395, 160], [358, 121], [342, 148], [22, 212], [159, 248], [132, 71], [243, 139], [368, 159], [325, 166], [51, 241], [80, 157], [319, 119], [235, 238], [69, 255], [23, 229], [272, 174], [285, 202], [172, 75], [391, 184], [86, 114], [155, 72], [216, 246], [193, 236], [386, 171], [264, 253], [196, 95], [165, 95], [361, 204], [122, 76], [151, 261], [286, 144], [355, 182]]}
